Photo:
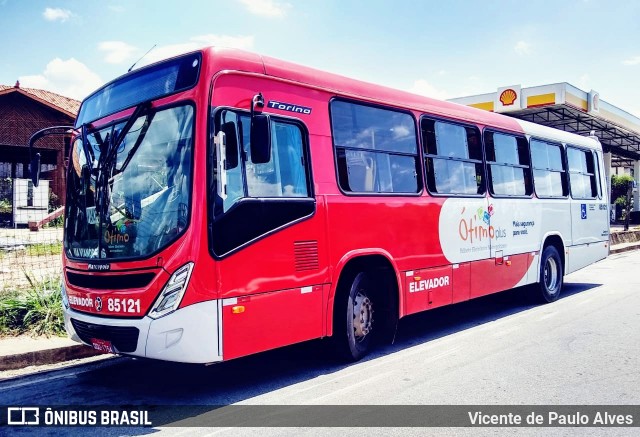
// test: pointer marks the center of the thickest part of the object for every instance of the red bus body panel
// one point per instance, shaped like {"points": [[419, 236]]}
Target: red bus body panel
{"points": [[268, 300]]}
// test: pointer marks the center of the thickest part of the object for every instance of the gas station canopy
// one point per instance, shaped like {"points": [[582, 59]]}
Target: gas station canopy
{"points": [[565, 107]]}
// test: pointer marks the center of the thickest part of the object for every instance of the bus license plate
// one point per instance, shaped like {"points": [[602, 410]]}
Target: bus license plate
{"points": [[102, 345]]}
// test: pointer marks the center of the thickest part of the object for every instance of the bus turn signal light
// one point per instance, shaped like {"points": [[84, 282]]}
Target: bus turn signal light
{"points": [[237, 309]]}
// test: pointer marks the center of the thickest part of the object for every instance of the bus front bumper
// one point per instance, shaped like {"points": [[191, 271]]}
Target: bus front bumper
{"points": [[192, 334]]}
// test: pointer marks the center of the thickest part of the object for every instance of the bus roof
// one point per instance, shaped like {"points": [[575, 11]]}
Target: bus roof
{"points": [[246, 61], [345, 86], [222, 58]]}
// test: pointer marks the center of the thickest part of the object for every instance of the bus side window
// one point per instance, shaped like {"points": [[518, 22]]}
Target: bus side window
{"points": [[287, 141], [453, 158], [229, 123], [284, 175], [376, 149], [549, 173], [596, 158], [508, 164], [582, 173]]}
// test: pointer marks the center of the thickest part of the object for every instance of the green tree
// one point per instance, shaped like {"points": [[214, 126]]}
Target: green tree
{"points": [[619, 186]]}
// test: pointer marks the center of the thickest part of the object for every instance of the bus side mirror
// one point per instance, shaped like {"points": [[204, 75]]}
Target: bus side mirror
{"points": [[231, 145], [34, 165], [34, 169], [260, 139]]}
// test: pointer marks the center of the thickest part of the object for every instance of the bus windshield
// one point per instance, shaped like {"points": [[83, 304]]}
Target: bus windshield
{"points": [[129, 197]]}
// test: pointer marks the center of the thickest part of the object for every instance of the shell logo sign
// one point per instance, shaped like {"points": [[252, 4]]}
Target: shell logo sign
{"points": [[508, 97]]}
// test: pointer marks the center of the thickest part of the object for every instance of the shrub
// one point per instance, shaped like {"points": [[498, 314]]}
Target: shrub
{"points": [[36, 310], [619, 189], [5, 206]]}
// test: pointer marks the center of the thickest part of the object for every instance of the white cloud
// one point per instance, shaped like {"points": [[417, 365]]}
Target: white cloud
{"points": [[195, 43], [522, 48], [424, 88], [35, 81], [266, 8], [116, 8], [71, 78], [57, 14], [117, 52], [635, 60]]}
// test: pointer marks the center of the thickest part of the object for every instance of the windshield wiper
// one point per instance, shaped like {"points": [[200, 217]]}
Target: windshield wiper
{"points": [[106, 166], [143, 133], [88, 153], [115, 143]]}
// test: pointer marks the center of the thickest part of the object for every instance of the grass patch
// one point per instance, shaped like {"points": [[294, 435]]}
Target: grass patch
{"points": [[36, 310], [37, 249], [41, 249]]}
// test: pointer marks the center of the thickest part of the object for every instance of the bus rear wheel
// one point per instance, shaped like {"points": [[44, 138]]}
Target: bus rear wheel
{"points": [[354, 327], [551, 275]]}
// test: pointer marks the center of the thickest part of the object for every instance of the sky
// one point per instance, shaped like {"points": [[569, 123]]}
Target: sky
{"points": [[442, 49]]}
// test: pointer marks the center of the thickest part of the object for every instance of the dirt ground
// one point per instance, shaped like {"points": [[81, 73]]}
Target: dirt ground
{"points": [[23, 252]]}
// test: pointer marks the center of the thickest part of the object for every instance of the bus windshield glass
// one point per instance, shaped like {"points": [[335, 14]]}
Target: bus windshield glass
{"points": [[129, 185], [150, 83]]}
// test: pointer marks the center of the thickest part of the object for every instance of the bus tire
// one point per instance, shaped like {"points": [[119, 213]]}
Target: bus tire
{"points": [[551, 275], [353, 330]]}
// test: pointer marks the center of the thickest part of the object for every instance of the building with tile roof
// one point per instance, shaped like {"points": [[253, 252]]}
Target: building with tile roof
{"points": [[24, 111]]}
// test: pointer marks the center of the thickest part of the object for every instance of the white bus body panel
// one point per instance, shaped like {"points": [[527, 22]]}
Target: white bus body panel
{"points": [[192, 334]]}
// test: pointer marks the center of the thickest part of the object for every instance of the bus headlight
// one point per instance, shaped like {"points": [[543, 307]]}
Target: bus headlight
{"points": [[172, 293], [63, 293]]}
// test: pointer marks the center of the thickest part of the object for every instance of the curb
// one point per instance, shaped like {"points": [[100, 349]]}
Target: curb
{"points": [[624, 249], [46, 356]]}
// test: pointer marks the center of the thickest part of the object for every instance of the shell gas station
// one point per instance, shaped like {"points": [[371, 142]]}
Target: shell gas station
{"points": [[566, 107]]}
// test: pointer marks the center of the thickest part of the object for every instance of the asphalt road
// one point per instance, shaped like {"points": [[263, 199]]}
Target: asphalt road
{"points": [[500, 349]]}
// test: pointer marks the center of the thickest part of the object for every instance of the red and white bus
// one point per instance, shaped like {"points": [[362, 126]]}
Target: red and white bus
{"points": [[223, 203]]}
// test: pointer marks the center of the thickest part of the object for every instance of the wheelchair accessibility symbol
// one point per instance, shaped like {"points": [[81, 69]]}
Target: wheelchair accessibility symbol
{"points": [[583, 211]]}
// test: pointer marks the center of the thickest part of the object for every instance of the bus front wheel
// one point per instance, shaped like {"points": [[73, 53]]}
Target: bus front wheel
{"points": [[551, 275], [354, 327]]}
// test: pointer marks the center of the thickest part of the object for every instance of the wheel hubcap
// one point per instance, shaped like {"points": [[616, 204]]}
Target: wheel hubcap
{"points": [[551, 275], [362, 316]]}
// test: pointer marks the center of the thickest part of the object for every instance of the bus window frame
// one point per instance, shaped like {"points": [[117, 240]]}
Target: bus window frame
{"points": [[192, 190], [595, 171], [211, 191], [419, 167], [140, 72], [598, 173], [437, 118], [489, 129], [565, 165]]}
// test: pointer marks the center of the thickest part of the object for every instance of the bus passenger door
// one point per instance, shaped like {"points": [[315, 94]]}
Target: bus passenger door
{"points": [[589, 209], [267, 235]]}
